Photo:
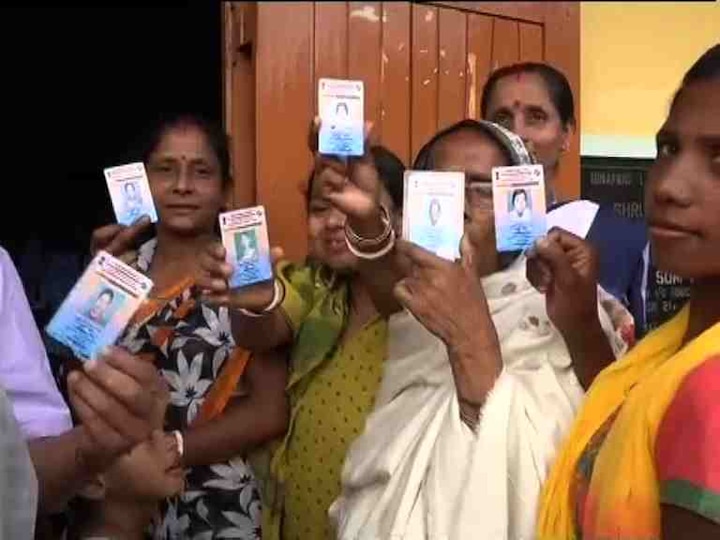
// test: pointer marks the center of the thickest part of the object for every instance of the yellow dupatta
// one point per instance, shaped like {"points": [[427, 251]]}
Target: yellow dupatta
{"points": [[623, 497]]}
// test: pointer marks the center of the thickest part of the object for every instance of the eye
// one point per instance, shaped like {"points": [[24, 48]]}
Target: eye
{"points": [[503, 118], [536, 117], [667, 149]]}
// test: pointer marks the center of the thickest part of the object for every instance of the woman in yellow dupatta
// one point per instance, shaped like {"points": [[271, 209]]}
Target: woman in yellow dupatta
{"points": [[643, 458]]}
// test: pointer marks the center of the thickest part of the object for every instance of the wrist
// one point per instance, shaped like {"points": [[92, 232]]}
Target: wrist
{"points": [[90, 457], [476, 368]]}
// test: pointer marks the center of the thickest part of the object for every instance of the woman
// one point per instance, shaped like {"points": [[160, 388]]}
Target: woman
{"points": [[121, 502], [482, 374], [220, 418], [536, 102], [338, 344], [642, 459]]}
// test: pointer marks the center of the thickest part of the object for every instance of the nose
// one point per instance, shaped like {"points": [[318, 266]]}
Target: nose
{"points": [[183, 181], [335, 219], [672, 184]]}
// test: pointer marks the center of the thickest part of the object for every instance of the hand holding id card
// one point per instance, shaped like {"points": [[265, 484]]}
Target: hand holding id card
{"points": [[519, 204], [130, 193], [245, 237], [99, 306], [341, 108], [433, 211]]}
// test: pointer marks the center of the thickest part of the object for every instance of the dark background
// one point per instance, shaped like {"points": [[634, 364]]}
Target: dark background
{"points": [[79, 85]]}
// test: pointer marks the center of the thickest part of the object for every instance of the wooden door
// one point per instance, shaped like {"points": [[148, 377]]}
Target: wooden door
{"points": [[424, 66]]}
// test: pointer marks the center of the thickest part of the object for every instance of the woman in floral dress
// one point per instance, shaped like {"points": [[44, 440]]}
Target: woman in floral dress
{"points": [[191, 343]]}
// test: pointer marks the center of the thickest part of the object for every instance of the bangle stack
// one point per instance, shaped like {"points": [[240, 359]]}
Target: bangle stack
{"points": [[278, 297], [372, 248]]}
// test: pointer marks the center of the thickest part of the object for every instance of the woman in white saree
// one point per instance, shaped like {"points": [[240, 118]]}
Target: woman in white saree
{"points": [[484, 372]]}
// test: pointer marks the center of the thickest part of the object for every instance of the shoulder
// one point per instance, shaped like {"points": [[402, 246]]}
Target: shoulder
{"points": [[687, 447]]}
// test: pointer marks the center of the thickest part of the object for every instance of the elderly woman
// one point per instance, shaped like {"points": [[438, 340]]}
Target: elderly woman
{"points": [[484, 372]]}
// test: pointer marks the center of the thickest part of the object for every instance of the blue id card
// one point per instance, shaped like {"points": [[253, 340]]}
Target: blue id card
{"points": [[341, 110], [433, 211], [245, 237], [99, 306], [130, 193], [519, 206]]}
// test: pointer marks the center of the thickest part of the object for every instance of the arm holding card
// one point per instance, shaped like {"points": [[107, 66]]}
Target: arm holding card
{"points": [[565, 269], [119, 400]]}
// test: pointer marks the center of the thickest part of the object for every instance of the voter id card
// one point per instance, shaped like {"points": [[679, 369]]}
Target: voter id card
{"points": [[245, 237], [341, 109], [433, 211], [130, 193]]}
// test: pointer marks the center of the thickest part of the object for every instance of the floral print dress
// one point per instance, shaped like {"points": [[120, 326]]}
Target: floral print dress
{"points": [[220, 500]]}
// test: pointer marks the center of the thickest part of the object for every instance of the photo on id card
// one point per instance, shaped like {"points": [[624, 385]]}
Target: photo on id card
{"points": [[245, 237], [519, 206], [433, 212], [99, 306], [130, 193], [341, 109]]}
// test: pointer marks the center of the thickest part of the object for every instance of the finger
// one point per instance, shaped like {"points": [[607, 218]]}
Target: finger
{"points": [[101, 237], [403, 293], [129, 257], [129, 378], [110, 410], [539, 274], [418, 255], [566, 239], [553, 255], [101, 433], [127, 237], [467, 253]]}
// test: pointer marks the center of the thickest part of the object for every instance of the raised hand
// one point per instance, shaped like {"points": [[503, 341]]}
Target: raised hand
{"points": [[565, 268], [352, 185], [119, 399], [215, 273], [119, 240]]}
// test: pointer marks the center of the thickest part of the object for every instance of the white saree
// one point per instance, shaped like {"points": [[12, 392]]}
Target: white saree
{"points": [[418, 472]]}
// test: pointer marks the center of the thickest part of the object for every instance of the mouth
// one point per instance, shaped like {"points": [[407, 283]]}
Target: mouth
{"points": [[665, 229], [336, 244], [183, 208]]}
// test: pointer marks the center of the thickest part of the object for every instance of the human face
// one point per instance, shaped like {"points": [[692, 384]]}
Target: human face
{"points": [[185, 180], [475, 155], [326, 227], [100, 307], [682, 194], [520, 203], [150, 472], [522, 104]]}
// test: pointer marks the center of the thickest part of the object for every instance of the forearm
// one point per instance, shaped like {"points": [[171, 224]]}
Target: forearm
{"points": [[380, 277], [260, 334], [245, 424], [589, 350], [63, 466]]}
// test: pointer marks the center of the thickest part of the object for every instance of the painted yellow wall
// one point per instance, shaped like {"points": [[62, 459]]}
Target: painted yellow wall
{"points": [[632, 59]]}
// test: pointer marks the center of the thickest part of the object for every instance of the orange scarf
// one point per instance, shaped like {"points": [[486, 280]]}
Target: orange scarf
{"points": [[222, 389]]}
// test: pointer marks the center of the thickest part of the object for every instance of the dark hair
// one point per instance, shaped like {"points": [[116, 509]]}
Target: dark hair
{"points": [[556, 85], [106, 292], [425, 157], [705, 68], [216, 138], [517, 192], [390, 170]]}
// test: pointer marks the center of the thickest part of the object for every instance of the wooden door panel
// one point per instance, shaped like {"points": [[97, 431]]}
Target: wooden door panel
{"points": [[423, 65]]}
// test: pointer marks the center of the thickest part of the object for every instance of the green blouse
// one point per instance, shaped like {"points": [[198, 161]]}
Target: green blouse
{"points": [[332, 389]]}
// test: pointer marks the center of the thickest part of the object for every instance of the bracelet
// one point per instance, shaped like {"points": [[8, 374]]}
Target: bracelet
{"points": [[361, 242], [372, 255], [277, 299], [180, 442]]}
